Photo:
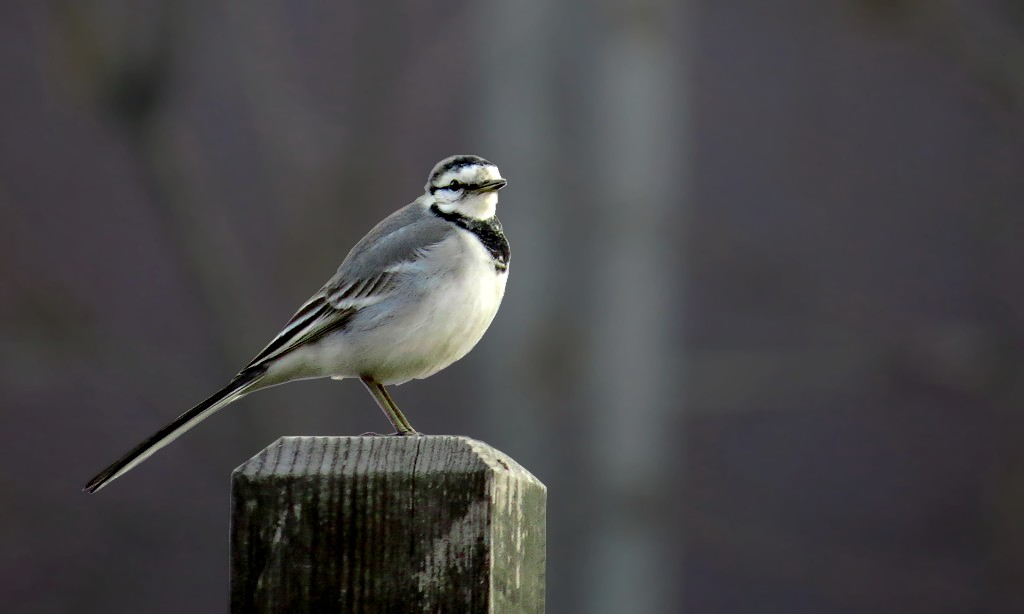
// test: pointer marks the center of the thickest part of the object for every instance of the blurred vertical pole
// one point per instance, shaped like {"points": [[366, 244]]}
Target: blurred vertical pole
{"points": [[640, 115], [518, 128], [528, 395], [585, 113]]}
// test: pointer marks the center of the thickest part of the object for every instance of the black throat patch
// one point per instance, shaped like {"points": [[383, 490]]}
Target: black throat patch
{"points": [[488, 231]]}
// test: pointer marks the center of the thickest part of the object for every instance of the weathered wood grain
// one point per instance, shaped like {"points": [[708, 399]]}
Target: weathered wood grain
{"points": [[386, 524]]}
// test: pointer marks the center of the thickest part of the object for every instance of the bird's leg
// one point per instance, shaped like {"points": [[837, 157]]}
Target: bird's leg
{"points": [[388, 406], [394, 406]]}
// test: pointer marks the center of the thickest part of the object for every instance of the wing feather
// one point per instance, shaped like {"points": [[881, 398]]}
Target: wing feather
{"points": [[368, 275]]}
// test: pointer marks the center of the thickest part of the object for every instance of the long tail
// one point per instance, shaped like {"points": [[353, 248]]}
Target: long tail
{"points": [[238, 388]]}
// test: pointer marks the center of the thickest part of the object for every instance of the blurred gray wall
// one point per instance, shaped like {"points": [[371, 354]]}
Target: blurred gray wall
{"points": [[764, 327]]}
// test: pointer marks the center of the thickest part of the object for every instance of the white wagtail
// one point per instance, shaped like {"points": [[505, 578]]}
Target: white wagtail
{"points": [[412, 297]]}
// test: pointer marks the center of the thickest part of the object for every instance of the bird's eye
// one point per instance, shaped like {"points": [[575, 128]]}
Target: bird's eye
{"points": [[454, 185]]}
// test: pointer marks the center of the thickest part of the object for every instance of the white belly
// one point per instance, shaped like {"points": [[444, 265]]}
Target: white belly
{"points": [[438, 316]]}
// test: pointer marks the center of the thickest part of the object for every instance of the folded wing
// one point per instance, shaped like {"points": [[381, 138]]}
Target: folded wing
{"points": [[369, 274]]}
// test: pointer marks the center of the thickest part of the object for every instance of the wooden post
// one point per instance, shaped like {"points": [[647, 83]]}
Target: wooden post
{"points": [[386, 524]]}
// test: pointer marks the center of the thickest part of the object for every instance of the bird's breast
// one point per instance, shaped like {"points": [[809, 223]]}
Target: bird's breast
{"points": [[457, 293]]}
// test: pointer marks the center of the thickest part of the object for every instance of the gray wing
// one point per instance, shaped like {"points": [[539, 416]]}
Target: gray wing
{"points": [[366, 276]]}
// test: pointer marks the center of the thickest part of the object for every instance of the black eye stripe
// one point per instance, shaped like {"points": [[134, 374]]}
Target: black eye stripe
{"points": [[458, 186]]}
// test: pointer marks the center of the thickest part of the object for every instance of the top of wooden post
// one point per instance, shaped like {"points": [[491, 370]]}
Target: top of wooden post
{"points": [[307, 455], [386, 524]]}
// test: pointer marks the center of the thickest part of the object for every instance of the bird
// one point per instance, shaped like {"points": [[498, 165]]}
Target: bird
{"points": [[412, 296]]}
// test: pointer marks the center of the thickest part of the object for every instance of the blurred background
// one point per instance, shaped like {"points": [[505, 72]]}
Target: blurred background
{"points": [[764, 329]]}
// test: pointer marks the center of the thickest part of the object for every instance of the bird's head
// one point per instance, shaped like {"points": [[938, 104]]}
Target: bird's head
{"points": [[467, 185]]}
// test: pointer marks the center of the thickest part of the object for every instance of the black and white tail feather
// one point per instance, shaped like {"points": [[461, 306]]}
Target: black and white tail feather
{"points": [[232, 392]]}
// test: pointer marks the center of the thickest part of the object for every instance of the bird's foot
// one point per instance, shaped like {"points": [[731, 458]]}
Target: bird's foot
{"points": [[395, 434]]}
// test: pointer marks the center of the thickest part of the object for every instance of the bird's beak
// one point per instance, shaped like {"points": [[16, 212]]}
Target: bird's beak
{"points": [[491, 186]]}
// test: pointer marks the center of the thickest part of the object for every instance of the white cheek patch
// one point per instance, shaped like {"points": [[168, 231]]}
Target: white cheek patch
{"points": [[478, 207], [446, 196]]}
